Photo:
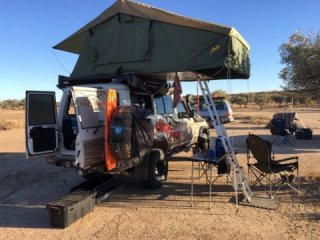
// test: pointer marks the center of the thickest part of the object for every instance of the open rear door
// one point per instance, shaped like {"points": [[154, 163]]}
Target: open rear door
{"points": [[90, 108], [41, 124]]}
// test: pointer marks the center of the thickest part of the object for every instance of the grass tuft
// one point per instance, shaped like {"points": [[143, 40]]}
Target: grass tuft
{"points": [[10, 124], [260, 119]]}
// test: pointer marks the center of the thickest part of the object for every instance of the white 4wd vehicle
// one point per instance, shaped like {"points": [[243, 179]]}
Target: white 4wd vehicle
{"points": [[76, 136], [223, 108]]}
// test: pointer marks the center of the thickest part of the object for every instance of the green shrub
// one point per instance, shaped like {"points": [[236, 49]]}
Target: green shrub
{"points": [[12, 104]]}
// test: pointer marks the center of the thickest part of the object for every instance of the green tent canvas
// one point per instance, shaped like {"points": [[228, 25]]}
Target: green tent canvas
{"points": [[135, 38]]}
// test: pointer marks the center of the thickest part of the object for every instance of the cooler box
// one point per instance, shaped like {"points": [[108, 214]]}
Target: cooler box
{"points": [[303, 133], [67, 210]]}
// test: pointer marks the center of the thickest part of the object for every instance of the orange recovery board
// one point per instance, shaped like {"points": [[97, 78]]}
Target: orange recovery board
{"points": [[110, 105]]}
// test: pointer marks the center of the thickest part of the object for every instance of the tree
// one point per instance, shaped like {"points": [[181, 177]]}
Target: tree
{"points": [[233, 99], [261, 99], [301, 57], [219, 93], [277, 99], [240, 100], [244, 101]]}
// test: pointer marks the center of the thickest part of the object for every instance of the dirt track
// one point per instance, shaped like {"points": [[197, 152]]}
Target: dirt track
{"points": [[26, 186]]}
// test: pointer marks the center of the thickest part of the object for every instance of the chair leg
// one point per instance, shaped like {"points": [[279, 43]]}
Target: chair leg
{"points": [[259, 177], [270, 185], [285, 180], [298, 179]]}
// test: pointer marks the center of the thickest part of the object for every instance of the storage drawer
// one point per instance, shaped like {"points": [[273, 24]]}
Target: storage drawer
{"points": [[67, 210]]}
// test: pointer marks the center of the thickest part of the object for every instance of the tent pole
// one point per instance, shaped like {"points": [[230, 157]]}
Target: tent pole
{"points": [[198, 103]]}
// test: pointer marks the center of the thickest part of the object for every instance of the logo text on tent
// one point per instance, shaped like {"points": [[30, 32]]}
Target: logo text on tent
{"points": [[214, 49]]}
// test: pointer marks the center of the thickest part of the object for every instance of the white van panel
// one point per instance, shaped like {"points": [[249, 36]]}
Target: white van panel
{"points": [[41, 128]]}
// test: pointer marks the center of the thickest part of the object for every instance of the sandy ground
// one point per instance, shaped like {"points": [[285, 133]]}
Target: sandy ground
{"points": [[26, 186], [12, 115]]}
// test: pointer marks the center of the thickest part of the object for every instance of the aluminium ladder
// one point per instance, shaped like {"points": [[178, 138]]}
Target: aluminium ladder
{"points": [[239, 179]]}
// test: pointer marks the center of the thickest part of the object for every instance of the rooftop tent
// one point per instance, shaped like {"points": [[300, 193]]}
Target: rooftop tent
{"points": [[135, 38]]}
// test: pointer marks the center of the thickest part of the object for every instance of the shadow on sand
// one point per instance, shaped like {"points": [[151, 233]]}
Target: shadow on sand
{"points": [[26, 186], [25, 190]]}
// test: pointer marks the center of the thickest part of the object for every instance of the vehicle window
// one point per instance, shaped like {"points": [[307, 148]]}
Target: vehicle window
{"points": [[164, 105], [71, 111], [41, 109], [228, 104], [168, 104], [141, 101], [219, 105], [181, 108], [159, 105], [91, 109], [203, 105], [181, 111]]}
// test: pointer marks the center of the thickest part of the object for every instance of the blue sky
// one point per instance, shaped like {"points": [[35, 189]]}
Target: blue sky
{"points": [[30, 28]]}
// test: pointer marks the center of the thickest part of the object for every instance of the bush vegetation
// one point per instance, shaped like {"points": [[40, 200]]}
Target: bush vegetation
{"points": [[274, 98], [12, 104], [10, 124], [261, 119]]}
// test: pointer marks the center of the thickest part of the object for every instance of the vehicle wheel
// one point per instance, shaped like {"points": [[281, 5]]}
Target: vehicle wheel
{"points": [[157, 170]]}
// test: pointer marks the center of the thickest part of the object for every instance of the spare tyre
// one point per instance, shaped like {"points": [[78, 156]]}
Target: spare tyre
{"points": [[120, 133]]}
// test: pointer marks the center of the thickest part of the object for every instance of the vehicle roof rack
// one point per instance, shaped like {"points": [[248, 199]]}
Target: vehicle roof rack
{"points": [[64, 81]]}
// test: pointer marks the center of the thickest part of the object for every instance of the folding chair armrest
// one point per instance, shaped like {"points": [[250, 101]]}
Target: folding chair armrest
{"points": [[288, 159]]}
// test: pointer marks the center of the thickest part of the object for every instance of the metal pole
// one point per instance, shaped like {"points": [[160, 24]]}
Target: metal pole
{"points": [[210, 184], [192, 185], [198, 102]]}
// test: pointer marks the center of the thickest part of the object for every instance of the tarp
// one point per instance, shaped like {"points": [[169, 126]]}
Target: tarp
{"points": [[135, 38]]}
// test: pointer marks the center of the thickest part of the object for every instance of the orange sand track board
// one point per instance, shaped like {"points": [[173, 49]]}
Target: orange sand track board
{"points": [[111, 104]]}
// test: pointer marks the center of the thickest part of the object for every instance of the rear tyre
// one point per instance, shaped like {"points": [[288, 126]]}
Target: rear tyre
{"points": [[157, 170]]}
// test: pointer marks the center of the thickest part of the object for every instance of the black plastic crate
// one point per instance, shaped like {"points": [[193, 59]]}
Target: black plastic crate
{"points": [[303, 133], [67, 210]]}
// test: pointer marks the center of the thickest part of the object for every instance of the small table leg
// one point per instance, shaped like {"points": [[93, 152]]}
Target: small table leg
{"points": [[192, 184], [235, 186], [210, 184]]}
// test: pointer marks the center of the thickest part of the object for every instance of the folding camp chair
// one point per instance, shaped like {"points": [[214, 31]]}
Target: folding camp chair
{"points": [[266, 169], [280, 133]]}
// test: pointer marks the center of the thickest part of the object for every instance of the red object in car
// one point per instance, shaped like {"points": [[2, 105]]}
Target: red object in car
{"points": [[161, 126]]}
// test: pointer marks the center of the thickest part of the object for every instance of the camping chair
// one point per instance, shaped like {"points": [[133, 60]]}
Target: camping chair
{"points": [[277, 173], [280, 133]]}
